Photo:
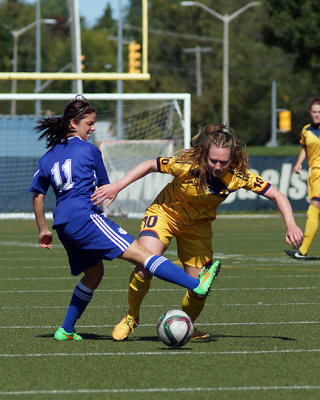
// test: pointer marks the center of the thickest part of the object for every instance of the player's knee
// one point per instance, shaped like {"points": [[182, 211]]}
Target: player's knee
{"points": [[93, 276]]}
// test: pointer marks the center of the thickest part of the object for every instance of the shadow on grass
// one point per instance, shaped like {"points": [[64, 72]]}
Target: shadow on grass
{"points": [[155, 339], [85, 336], [254, 337], [212, 338], [291, 253]]}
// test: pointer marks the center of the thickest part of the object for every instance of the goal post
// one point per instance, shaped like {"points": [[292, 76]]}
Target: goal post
{"points": [[185, 98], [156, 124]]}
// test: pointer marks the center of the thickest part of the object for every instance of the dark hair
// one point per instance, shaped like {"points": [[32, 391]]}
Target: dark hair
{"points": [[58, 129], [315, 100], [218, 135]]}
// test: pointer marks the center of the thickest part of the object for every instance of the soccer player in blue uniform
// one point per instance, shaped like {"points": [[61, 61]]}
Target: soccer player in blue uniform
{"points": [[74, 168], [204, 176], [310, 142]]}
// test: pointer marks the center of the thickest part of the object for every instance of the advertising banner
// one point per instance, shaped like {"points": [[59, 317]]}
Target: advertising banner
{"points": [[278, 171]]}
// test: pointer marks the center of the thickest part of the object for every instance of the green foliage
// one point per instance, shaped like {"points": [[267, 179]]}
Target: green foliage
{"points": [[294, 27], [266, 43], [5, 47], [106, 21]]}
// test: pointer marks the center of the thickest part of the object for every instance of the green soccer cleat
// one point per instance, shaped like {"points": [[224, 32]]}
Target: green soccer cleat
{"points": [[206, 277], [61, 334]]}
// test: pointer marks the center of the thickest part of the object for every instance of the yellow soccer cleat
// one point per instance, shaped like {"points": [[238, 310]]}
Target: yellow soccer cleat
{"points": [[125, 326], [197, 335]]}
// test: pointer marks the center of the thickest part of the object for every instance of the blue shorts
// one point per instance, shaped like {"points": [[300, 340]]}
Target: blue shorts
{"points": [[91, 238]]}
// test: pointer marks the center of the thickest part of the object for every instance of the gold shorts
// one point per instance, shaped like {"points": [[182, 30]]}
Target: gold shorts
{"points": [[194, 241], [314, 184]]}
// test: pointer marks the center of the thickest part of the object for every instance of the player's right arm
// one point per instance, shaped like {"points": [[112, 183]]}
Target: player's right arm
{"points": [[45, 235], [301, 157], [110, 191]]}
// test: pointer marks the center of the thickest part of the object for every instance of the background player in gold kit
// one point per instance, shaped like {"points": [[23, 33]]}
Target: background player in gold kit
{"points": [[310, 142], [204, 176]]}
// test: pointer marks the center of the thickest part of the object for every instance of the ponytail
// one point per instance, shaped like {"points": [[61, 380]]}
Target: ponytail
{"points": [[58, 129]]}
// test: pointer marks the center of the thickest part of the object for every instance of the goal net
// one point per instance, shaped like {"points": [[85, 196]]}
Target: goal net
{"points": [[130, 128], [120, 156]]}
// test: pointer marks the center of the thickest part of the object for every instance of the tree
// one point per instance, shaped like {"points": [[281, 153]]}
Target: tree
{"points": [[172, 70], [294, 26], [106, 21], [6, 41]]}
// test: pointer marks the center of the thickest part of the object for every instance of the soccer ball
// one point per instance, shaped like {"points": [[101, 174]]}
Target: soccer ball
{"points": [[175, 328]]}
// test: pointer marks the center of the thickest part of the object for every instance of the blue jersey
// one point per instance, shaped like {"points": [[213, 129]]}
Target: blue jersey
{"points": [[73, 170]]}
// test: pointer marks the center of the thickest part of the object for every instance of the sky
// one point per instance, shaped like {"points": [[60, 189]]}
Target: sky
{"points": [[93, 9]]}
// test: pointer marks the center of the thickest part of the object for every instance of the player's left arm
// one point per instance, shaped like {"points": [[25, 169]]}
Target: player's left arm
{"points": [[45, 235], [294, 235], [111, 191]]}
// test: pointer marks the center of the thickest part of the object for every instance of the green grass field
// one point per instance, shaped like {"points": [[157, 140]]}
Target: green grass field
{"points": [[263, 315]]}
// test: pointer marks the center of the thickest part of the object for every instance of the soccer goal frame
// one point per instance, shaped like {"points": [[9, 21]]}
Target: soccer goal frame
{"points": [[184, 97], [159, 120]]}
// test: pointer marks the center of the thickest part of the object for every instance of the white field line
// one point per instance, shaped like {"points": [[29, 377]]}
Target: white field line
{"points": [[9, 267], [239, 261], [161, 390], [25, 244], [52, 278], [162, 290], [152, 325], [126, 277], [260, 304], [172, 352]]}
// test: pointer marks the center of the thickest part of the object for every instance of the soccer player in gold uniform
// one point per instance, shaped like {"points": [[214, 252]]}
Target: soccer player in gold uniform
{"points": [[204, 176], [310, 142]]}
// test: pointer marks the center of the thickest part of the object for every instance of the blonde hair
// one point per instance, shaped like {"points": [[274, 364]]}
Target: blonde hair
{"points": [[219, 136]]}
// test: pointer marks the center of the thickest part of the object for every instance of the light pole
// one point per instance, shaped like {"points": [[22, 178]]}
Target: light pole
{"points": [[198, 50], [75, 43], [120, 132], [225, 19], [16, 35]]}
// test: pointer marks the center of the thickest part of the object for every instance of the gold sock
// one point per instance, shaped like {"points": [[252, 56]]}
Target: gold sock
{"points": [[193, 305], [311, 228], [138, 288]]}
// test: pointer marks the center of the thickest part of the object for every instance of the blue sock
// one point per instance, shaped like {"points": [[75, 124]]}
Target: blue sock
{"points": [[79, 301], [164, 269]]}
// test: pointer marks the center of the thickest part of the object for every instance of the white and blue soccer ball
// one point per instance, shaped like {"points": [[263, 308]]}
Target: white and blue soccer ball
{"points": [[175, 328]]}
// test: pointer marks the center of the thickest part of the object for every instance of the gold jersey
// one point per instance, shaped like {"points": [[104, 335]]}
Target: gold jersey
{"points": [[185, 200], [310, 140]]}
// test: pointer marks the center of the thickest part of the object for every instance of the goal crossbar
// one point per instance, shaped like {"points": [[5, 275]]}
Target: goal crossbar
{"points": [[184, 97]]}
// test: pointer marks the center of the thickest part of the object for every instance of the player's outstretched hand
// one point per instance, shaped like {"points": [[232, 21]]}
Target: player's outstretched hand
{"points": [[105, 192], [294, 236]]}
